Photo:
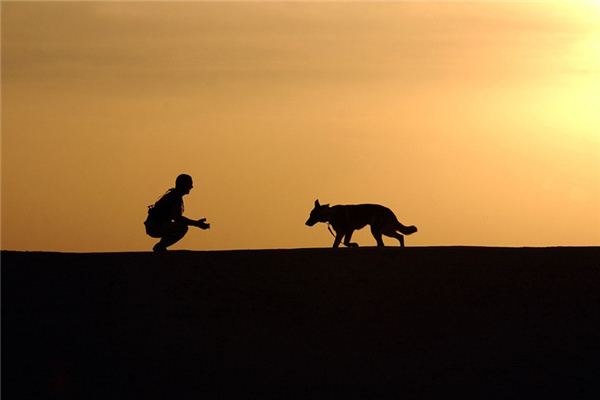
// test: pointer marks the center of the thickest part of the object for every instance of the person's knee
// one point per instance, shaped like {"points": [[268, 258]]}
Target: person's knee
{"points": [[180, 229]]}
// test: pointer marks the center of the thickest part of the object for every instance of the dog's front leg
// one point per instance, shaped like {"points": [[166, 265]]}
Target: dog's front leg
{"points": [[338, 239], [347, 241]]}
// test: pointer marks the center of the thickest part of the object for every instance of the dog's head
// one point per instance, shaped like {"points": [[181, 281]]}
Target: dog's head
{"points": [[320, 213]]}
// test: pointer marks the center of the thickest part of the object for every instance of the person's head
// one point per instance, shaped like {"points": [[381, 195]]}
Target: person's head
{"points": [[184, 183]]}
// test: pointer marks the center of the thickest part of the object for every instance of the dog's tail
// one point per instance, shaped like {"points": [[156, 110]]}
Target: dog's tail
{"points": [[406, 230]]}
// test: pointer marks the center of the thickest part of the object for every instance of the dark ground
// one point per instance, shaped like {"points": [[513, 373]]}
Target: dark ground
{"points": [[307, 323]]}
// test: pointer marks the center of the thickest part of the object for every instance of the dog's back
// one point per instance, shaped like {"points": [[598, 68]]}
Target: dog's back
{"points": [[357, 216]]}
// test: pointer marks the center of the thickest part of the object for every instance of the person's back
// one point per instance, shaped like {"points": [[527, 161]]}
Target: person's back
{"points": [[165, 210], [165, 218]]}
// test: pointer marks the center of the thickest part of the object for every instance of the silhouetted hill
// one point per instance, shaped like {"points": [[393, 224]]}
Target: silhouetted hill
{"points": [[306, 323]]}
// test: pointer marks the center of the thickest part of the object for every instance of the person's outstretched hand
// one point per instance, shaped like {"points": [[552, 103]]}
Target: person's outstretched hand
{"points": [[202, 224]]}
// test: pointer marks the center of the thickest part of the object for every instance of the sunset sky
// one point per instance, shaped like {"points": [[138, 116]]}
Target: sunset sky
{"points": [[478, 121]]}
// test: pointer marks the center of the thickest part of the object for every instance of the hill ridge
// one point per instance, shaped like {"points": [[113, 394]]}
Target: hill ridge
{"points": [[192, 323]]}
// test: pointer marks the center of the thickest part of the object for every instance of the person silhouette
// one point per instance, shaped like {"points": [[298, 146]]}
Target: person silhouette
{"points": [[165, 218]]}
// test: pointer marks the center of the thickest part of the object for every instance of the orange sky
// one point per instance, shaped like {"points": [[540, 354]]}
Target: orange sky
{"points": [[476, 121]]}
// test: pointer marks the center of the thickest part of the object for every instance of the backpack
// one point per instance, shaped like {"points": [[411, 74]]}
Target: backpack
{"points": [[157, 215]]}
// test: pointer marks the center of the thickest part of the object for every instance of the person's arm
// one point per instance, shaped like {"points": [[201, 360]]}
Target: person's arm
{"points": [[178, 216], [187, 221], [201, 223]]}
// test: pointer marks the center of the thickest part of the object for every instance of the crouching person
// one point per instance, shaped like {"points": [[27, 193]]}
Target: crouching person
{"points": [[165, 218]]}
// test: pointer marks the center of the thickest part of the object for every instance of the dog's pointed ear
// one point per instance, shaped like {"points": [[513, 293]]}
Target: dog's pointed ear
{"points": [[317, 203]]}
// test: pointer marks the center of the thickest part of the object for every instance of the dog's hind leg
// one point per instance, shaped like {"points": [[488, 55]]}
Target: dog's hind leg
{"points": [[376, 232], [394, 234], [400, 239]]}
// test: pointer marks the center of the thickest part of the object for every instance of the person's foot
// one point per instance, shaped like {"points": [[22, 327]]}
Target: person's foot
{"points": [[159, 248]]}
